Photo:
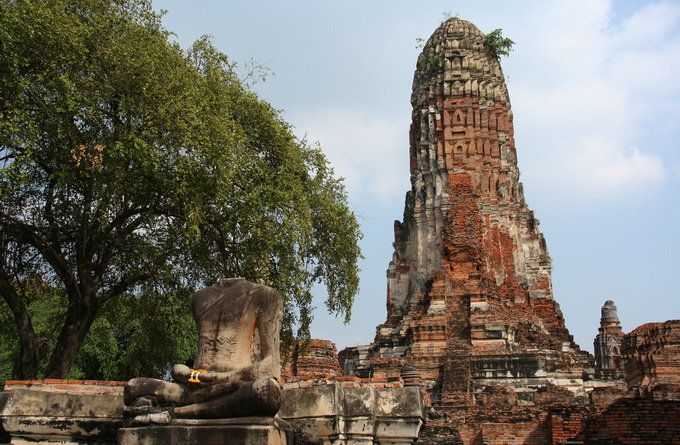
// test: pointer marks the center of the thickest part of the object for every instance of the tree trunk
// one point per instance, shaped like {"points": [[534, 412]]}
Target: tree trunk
{"points": [[79, 318], [28, 361]]}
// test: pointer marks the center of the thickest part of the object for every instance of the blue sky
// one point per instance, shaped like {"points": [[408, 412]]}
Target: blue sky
{"points": [[595, 93]]}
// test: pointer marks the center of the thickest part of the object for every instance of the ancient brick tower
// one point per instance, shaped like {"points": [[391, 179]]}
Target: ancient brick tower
{"points": [[469, 293]]}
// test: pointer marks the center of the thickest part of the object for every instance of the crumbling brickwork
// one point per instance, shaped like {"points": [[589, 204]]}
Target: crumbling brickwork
{"points": [[652, 356], [471, 316], [314, 357], [80, 387], [635, 421], [469, 293]]}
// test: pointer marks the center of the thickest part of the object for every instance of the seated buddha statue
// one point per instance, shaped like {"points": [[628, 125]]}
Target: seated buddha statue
{"points": [[237, 368]]}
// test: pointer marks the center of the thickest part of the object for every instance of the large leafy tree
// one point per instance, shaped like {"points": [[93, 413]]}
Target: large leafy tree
{"points": [[130, 168], [132, 335]]}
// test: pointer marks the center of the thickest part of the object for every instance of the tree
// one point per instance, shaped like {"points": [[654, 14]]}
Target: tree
{"points": [[132, 336], [497, 44], [129, 168]]}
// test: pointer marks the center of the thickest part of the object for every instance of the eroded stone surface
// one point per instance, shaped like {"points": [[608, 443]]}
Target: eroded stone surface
{"points": [[43, 415], [351, 412], [237, 368], [608, 344], [241, 431]]}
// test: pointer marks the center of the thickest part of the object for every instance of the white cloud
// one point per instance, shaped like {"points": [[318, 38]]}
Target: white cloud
{"points": [[587, 96], [370, 152], [612, 168], [650, 24]]}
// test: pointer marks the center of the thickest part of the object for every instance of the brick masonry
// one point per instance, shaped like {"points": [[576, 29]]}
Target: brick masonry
{"points": [[470, 308], [314, 357], [67, 386], [469, 292]]}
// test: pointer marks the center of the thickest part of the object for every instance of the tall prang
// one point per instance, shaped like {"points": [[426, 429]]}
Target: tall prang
{"points": [[469, 291]]}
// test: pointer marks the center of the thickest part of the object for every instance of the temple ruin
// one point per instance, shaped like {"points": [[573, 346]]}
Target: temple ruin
{"points": [[474, 349], [470, 308], [469, 291]]}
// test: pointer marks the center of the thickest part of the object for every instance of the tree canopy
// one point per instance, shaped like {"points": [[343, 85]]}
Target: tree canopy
{"points": [[497, 44], [132, 171]]}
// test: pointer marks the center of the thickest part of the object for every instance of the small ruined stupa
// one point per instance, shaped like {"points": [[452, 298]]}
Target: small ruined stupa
{"points": [[469, 292], [608, 343]]}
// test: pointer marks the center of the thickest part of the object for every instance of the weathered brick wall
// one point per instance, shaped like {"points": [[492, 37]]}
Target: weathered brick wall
{"points": [[494, 396], [566, 422], [529, 433], [652, 355], [107, 387], [636, 421], [627, 421], [488, 425], [603, 397], [315, 357], [553, 395], [310, 380]]}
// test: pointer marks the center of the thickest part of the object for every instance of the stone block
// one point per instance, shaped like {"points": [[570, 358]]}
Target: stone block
{"points": [[398, 402], [61, 417], [237, 431], [357, 401], [313, 401], [355, 415], [396, 430]]}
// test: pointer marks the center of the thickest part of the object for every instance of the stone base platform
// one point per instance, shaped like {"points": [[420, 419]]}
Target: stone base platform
{"points": [[58, 412], [237, 431]]}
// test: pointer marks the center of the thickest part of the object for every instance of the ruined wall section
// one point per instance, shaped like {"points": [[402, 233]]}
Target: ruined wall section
{"points": [[651, 354], [315, 357], [467, 232]]}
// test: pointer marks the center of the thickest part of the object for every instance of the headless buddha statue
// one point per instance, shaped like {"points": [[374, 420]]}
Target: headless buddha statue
{"points": [[237, 368]]}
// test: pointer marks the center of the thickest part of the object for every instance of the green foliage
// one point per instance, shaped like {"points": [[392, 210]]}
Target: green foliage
{"points": [[134, 336], [132, 170], [430, 64], [497, 44], [138, 336], [433, 64]]}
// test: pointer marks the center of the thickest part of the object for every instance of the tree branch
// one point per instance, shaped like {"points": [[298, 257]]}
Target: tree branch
{"points": [[29, 234], [10, 295], [124, 285], [107, 254]]}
